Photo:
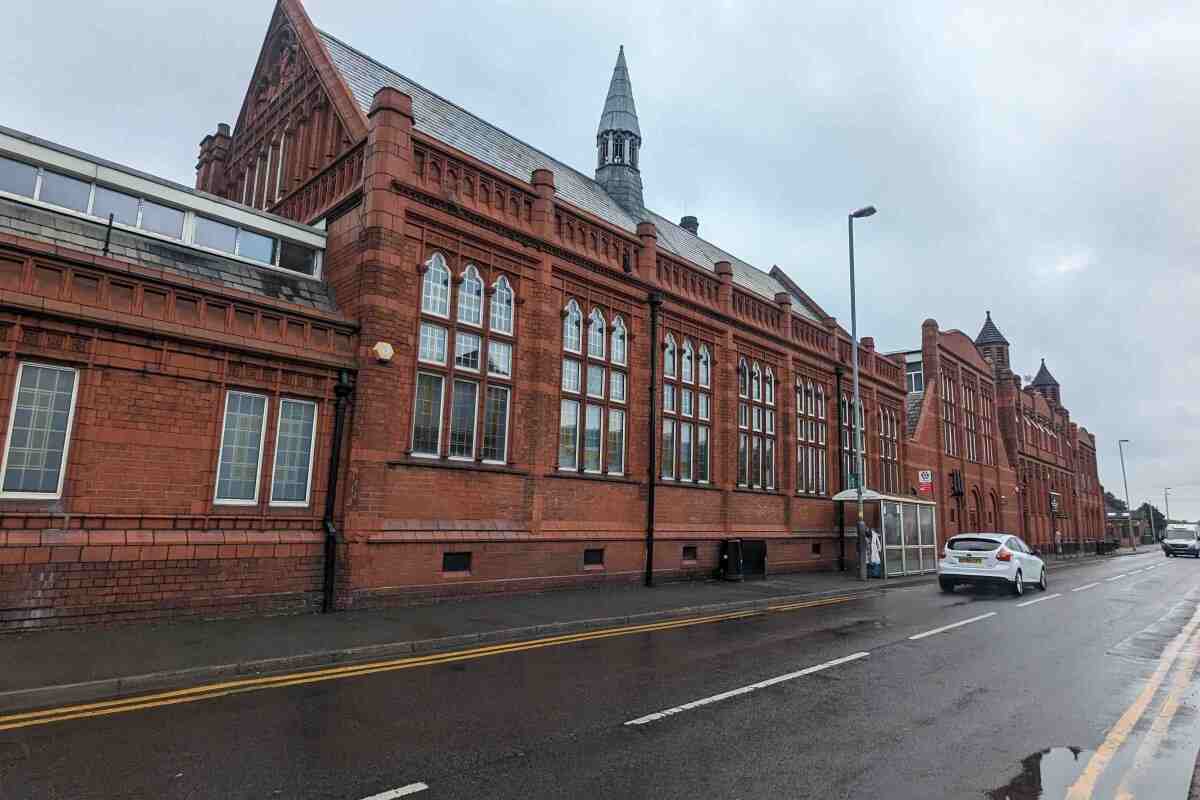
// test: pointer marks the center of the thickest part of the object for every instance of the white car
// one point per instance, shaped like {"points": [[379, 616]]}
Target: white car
{"points": [[995, 558]]}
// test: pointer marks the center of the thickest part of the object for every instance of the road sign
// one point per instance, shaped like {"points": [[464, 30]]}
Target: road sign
{"points": [[925, 481]]}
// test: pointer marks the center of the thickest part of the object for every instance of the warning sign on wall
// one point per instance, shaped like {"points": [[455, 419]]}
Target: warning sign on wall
{"points": [[925, 482]]}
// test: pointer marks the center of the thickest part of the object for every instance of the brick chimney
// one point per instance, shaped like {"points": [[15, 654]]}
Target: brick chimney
{"points": [[213, 160]]}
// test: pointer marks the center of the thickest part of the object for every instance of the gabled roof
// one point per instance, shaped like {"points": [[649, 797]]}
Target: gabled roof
{"points": [[620, 113], [456, 127], [990, 334], [1043, 377]]}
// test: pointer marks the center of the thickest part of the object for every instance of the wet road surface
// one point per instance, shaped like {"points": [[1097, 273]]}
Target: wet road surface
{"points": [[1086, 690]]}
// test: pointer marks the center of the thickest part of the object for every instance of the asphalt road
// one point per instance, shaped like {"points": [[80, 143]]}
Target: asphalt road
{"points": [[1087, 692]]}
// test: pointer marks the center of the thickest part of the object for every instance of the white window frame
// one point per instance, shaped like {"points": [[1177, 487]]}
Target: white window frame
{"points": [[475, 418], [441, 262], [573, 312], [262, 435], [12, 415], [471, 273], [312, 452], [412, 435]]}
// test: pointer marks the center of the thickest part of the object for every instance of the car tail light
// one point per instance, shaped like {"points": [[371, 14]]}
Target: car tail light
{"points": [[1003, 555]]}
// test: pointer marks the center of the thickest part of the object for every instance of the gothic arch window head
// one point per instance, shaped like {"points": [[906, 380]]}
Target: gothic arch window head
{"points": [[596, 333], [501, 313], [769, 387], [435, 287], [470, 297], [669, 356], [572, 328], [687, 362], [620, 342], [743, 378], [704, 367], [756, 382]]}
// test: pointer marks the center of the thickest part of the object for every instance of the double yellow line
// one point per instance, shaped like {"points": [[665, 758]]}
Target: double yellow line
{"points": [[215, 690]]}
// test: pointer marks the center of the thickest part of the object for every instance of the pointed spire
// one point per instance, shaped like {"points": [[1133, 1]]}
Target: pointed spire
{"points": [[619, 114], [1043, 377], [990, 334]]}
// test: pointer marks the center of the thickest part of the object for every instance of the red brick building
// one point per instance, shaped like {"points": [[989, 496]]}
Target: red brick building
{"points": [[1056, 463], [168, 379], [549, 372], [953, 430]]}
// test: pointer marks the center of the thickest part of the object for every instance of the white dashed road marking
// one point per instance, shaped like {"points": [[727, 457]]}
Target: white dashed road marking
{"points": [[403, 791], [1117, 577], [1039, 600], [1085, 586], [716, 698], [951, 626]]}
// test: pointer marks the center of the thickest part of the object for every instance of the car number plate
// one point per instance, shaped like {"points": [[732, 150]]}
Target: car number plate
{"points": [[969, 560]]}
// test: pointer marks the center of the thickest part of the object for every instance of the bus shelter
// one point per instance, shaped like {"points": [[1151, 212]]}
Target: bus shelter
{"points": [[907, 526]]}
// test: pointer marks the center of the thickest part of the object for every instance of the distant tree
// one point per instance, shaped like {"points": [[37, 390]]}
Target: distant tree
{"points": [[1145, 510], [1114, 503]]}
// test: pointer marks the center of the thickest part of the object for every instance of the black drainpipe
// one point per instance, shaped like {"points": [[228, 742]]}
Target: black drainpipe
{"points": [[840, 509], [341, 390], [651, 436]]}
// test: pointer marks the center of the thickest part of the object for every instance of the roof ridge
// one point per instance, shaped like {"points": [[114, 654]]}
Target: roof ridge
{"points": [[449, 102]]}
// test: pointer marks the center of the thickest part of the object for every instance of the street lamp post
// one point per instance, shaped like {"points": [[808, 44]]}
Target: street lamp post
{"points": [[1167, 504], [856, 412], [1128, 511]]}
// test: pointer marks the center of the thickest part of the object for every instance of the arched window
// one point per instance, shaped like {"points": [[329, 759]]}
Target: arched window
{"points": [[572, 328], [620, 352], [704, 367], [811, 435], [756, 434], [686, 361], [502, 307], [597, 334], [743, 379], [669, 356], [470, 297], [435, 287], [769, 387]]}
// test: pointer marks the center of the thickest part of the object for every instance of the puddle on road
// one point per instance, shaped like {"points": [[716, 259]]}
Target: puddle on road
{"points": [[1045, 775]]}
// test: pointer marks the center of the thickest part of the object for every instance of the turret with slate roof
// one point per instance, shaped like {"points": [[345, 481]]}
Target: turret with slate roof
{"points": [[618, 140], [992, 344], [1045, 383]]}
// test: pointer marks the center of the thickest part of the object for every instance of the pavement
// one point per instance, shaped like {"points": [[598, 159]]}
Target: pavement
{"points": [[46, 668]]}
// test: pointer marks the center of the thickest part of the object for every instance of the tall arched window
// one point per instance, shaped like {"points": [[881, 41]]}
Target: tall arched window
{"points": [[464, 374], [704, 367], [849, 457], [470, 297], [620, 342], [572, 328], [811, 447], [686, 362], [597, 334], [743, 379], [501, 320], [769, 387], [669, 356], [435, 287], [591, 425], [686, 421], [889, 451], [756, 435]]}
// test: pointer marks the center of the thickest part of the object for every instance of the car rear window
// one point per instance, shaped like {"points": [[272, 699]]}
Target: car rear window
{"points": [[977, 545]]}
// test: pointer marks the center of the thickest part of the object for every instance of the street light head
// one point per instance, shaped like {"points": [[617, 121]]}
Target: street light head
{"points": [[1124, 441], [863, 212]]}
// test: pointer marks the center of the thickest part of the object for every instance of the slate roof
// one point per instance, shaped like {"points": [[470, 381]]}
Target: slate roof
{"points": [[454, 126], [1043, 377], [81, 234], [620, 113], [990, 334]]}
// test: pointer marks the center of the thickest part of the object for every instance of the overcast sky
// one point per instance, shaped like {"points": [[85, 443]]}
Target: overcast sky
{"points": [[1037, 161]]}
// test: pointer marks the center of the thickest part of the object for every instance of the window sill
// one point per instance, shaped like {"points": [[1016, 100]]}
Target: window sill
{"points": [[460, 574], [591, 476], [688, 485], [593, 568], [769, 492], [447, 463]]}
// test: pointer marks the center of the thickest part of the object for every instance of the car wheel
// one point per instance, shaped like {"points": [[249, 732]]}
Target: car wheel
{"points": [[947, 586], [1018, 585], [1042, 580]]}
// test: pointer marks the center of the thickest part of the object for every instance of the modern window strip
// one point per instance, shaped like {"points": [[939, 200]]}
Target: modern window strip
{"points": [[39, 431]]}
